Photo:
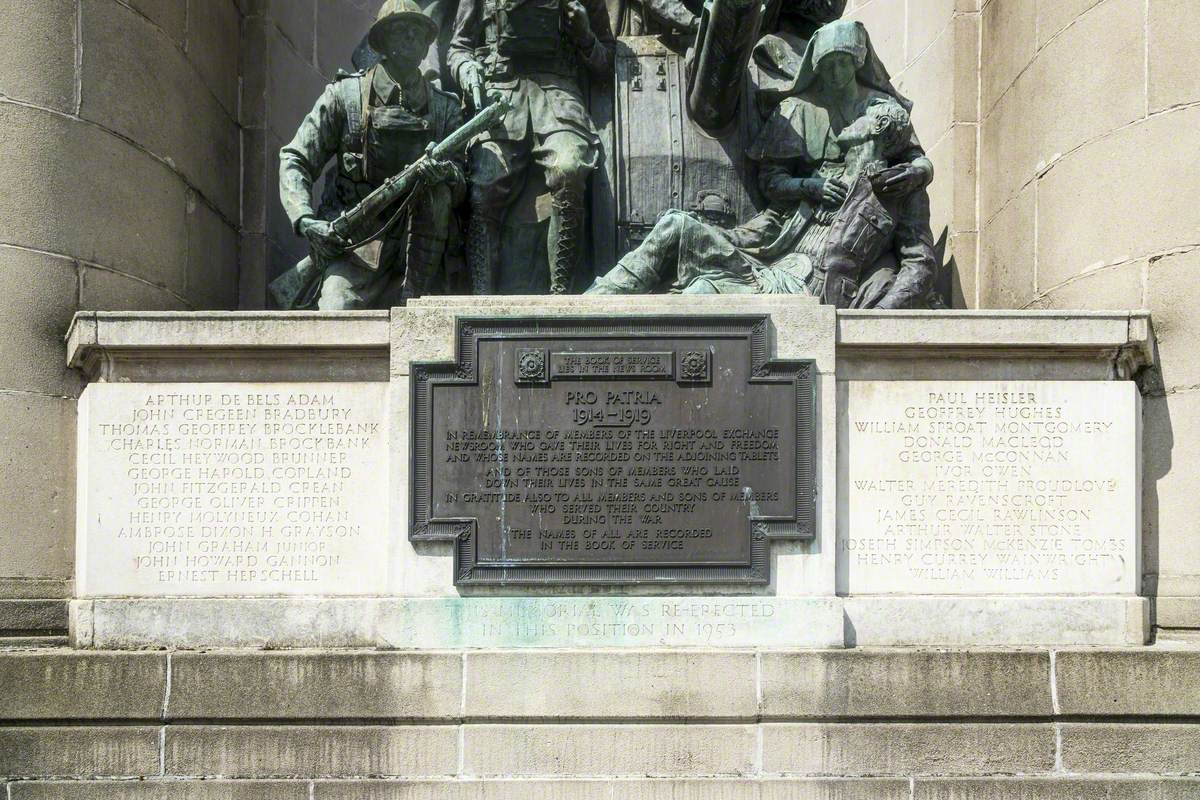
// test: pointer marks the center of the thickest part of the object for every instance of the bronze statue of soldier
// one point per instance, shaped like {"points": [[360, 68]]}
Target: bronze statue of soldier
{"points": [[375, 123], [529, 52]]}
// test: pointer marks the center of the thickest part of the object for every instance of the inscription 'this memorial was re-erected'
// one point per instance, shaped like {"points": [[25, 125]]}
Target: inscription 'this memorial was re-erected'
{"points": [[571, 452]]}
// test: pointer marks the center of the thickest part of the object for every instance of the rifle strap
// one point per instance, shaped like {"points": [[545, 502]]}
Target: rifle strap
{"points": [[364, 128]]}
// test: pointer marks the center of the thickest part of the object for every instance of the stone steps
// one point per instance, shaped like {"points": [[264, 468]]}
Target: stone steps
{"points": [[1024, 788], [499, 724]]}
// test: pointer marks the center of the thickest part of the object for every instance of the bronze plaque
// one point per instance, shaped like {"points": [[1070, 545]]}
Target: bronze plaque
{"points": [[594, 451]]}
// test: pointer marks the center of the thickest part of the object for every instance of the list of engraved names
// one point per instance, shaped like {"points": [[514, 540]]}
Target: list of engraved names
{"points": [[990, 487], [234, 489]]}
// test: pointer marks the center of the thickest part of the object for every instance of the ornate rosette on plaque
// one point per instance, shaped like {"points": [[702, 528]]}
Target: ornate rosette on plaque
{"points": [[602, 451]]}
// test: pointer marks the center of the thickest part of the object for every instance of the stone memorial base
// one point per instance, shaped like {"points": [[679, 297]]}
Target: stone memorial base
{"points": [[245, 480]]}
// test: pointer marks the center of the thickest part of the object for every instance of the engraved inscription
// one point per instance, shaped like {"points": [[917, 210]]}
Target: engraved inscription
{"points": [[1016, 488], [611, 471], [216, 488]]}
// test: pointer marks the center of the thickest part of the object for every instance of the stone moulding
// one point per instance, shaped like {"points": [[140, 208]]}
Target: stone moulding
{"points": [[420, 608]]}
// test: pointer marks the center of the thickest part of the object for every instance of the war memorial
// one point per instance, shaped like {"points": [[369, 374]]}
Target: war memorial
{"points": [[659, 399]]}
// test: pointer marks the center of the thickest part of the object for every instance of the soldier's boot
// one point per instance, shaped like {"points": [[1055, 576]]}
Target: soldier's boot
{"points": [[423, 264], [565, 237], [483, 251]]}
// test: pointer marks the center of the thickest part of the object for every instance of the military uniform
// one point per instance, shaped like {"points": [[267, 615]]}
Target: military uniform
{"points": [[525, 53], [375, 128]]}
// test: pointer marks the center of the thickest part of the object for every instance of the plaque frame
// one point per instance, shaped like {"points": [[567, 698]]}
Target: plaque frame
{"points": [[471, 330]]}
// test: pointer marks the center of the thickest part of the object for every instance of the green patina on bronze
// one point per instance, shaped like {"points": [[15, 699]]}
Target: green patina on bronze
{"points": [[844, 176]]}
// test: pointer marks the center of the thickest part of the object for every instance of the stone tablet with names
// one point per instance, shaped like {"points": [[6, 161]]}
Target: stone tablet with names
{"points": [[596, 451], [218, 489], [987, 487]]}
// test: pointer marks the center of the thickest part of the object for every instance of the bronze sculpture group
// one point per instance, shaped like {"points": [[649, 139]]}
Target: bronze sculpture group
{"points": [[838, 174]]}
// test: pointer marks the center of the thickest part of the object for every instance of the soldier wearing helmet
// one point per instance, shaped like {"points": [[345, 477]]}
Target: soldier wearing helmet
{"points": [[375, 123]]}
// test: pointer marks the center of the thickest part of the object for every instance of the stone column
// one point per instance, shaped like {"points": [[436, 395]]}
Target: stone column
{"points": [[120, 167], [1090, 198]]}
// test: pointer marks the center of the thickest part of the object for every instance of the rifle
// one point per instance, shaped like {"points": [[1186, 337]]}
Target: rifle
{"points": [[295, 284], [352, 224]]}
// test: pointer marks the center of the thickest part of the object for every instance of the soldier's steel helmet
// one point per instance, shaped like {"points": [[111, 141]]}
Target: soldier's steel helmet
{"points": [[394, 11]]}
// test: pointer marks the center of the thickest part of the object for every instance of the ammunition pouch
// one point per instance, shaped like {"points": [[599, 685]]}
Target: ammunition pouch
{"points": [[523, 29]]}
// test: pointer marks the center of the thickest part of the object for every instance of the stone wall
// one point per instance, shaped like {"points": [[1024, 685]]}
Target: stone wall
{"points": [[292, 49], [701, 725], [1090, 198], [931, 47], [120, 167]]}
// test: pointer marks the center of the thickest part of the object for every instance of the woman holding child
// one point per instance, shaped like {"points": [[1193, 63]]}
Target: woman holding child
{"points": [[844, 176]]}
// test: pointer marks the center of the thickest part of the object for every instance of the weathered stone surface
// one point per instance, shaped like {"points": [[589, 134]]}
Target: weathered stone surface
{"points": [[357, 330], [1177, 612], [342, 24], [161, 790], [580, 684], [835, 789], [925, 21], [311, 752], [906, 749], [35, 308], [1006, 254], [1135, 683], [51, 205], [293, 85], [1101, 56], [659, 789], [1172, 294], [933, 75], [78, 752], [885, 22], [1172, 458], [1028, 128], [74, 685], [1159, 749], [1108, 788], [463, 790], [170, 15], [30, 616], [964, 262], [996, 621], [296, 20], [138, 83], [37, 495], [106, 290], [1078, 231], [435, 623], [1051, 18], [952, 195], [34, 588], [633, 750], [1111, 287], [1009, 42], [37, 52], [901, 683], [213, 43], [1032, 334], [1172, 27], [315, 685], [212, 266]]}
